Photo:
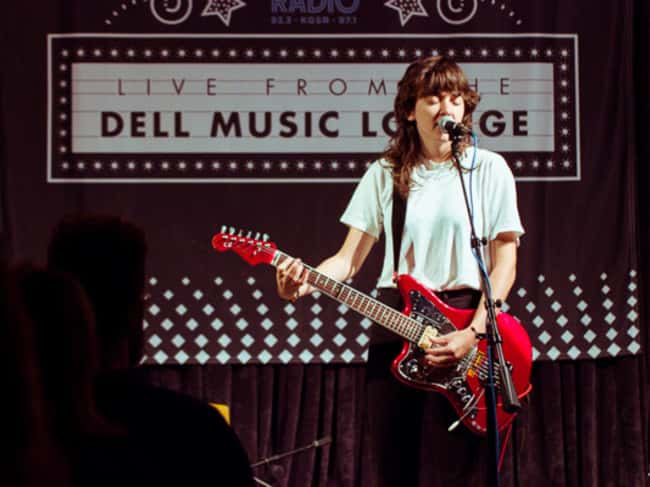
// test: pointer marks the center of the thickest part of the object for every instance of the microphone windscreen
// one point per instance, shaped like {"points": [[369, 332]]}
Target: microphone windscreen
{"points": [[443, 121]]}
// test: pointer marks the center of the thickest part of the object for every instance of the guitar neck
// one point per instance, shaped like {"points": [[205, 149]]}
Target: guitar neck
{"points": [[363, 304]]}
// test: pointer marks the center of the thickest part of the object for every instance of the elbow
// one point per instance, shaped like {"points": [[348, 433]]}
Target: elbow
{"points": [[509, 267], [346, 266], [506, 273], [513, 275], [352, 271]]}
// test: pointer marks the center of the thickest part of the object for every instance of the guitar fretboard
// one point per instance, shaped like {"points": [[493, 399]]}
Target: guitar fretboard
{"points": [[380, 313]]}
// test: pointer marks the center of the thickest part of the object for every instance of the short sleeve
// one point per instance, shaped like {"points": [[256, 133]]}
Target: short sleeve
{"points": [[364, 211], [503, 213]]}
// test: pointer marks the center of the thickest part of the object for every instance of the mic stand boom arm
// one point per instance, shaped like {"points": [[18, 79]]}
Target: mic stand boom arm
{"points": [[494, 349]]}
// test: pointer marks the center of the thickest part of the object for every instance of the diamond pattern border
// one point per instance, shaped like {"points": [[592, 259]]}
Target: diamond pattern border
{"points": [[245, 323]]}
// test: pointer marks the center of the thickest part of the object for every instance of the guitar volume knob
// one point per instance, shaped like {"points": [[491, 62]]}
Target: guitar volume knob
{"points": [[456, 382], [414, 368]]}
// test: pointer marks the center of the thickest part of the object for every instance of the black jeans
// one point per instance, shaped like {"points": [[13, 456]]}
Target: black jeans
{"points": [[408, 427]]}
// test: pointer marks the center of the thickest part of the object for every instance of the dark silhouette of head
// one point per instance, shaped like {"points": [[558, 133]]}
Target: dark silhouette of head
{"points": [[66, 352], [30, 458], [107, 255]]}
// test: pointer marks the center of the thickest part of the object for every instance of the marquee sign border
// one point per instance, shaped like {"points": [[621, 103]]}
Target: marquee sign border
{"points": [[63, 167]]}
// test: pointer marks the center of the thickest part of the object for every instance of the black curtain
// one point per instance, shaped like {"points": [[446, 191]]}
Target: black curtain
{"points": [[5, 226], [583, 425], [642, 132]]}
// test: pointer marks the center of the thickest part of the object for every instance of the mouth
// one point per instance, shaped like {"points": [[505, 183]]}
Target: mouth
{"points": [[436, 124], [436, 120]]}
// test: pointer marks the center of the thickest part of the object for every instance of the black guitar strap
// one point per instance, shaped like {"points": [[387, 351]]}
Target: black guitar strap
{"points": [[388, 295], [399, 215]]}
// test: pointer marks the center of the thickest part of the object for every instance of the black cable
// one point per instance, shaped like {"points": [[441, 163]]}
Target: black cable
{"points": [[274, 458]]}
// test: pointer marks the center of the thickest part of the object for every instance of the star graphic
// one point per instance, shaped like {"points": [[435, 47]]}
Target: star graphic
{"points": [[222, 8], [407, 9]]}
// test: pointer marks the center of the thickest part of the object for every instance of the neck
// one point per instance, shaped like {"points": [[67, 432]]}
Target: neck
{"points": [[439, 151]]}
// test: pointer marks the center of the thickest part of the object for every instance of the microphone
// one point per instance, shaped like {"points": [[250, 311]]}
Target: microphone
{"points": [[449, 125]]}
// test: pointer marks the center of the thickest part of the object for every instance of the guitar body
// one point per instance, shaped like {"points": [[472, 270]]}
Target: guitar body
{"points": [[463, 383]]}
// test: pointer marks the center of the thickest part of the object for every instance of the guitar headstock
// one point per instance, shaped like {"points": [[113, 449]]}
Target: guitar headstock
{"points": [[253, 249]]}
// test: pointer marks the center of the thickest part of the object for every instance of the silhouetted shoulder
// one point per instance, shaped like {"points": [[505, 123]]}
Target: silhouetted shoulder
{"points": [[183, 439]]}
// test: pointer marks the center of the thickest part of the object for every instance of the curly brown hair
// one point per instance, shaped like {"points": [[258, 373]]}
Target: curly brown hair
{"points": [[423, 77]]}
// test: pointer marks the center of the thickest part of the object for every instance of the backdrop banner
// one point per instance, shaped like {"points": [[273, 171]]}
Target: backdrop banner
{"points": [[186, 115]]}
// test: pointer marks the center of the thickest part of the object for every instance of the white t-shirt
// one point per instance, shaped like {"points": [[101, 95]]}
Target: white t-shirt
{"points": [[436, 246]]}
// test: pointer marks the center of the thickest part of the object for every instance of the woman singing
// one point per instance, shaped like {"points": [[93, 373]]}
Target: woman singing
{"points": [[409, 441]]}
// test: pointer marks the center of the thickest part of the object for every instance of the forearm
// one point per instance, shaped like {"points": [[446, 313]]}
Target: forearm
{"points": [[347, 261], [501, 278], [337, 267], [450, 348]]}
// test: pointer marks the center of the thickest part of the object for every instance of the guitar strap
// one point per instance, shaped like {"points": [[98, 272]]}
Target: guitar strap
{"points": [[389, 296], [399, 215]]}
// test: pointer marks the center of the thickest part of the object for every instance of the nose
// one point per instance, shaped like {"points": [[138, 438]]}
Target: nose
{"points": [[446, 105]]}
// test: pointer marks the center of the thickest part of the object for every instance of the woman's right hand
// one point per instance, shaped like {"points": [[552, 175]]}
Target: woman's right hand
{"points": [[289, 276]]}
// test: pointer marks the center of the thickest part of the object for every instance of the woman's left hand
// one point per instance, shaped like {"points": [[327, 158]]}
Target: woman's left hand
{"points": [[447, 350]]}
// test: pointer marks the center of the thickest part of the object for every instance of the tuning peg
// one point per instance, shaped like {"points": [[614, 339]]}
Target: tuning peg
{"points": [[224, 229], [231, 230], [249, 234], [265, 237], [257, 236]]}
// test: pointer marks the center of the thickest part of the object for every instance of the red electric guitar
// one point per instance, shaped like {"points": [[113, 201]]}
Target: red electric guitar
{"points": [[424, 316]]}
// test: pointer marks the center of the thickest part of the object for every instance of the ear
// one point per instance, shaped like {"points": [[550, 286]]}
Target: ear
{"points": [[411, 117]]}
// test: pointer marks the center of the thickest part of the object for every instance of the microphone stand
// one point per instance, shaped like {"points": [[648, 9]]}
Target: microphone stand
{"points": [[510, 401], [274, 458]]}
